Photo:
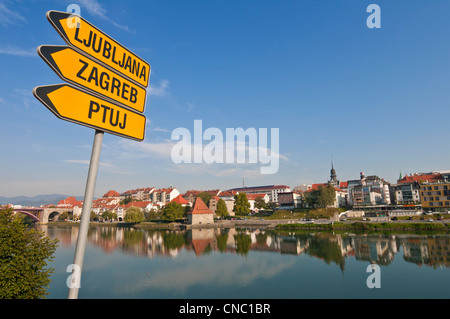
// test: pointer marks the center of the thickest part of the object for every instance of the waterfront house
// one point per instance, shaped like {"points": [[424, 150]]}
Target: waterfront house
{"points": [[200, 214], [271, 190], [252, 198]]}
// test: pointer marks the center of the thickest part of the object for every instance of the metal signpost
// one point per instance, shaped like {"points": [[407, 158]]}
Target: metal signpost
{"points": [[107, 92]]}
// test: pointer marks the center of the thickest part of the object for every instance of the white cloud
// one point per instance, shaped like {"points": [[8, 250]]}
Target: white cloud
{"points": [[94, 8], [158, 91], [107, 167], [146, 149], [158, 129], [8, 17], [11, 50]]}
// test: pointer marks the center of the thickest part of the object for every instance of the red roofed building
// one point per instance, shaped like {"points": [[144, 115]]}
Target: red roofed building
{"points": [[200, 214], [252, 198], [69, 202], [180, 200], [111, 194], [190, 195], [407, 190], [420, 178], [271, 190]]}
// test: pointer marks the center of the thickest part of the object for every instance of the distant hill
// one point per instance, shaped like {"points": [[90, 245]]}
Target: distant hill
{"points": [[35, 200]]}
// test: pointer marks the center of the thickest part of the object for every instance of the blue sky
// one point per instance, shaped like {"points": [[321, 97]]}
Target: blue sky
{"points": [[376, 100]]}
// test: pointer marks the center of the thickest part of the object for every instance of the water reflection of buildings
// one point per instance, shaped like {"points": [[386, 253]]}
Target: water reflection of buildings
{"points": [[430, 250]]}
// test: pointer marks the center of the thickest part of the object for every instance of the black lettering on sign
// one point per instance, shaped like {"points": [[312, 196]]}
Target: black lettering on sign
{"points": [[107, 82], [108, 51], [85, 65], [114, 117], [91, 108]]}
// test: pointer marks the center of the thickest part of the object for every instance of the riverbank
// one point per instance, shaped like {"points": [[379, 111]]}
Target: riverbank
{"points": [[283, 224], [370, 226]]}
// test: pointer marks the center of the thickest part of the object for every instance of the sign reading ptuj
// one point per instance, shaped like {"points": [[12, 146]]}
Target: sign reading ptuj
{"points": [[106, 91]]}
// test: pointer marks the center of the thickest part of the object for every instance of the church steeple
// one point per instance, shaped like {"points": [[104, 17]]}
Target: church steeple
{"points": [[333, 177]]}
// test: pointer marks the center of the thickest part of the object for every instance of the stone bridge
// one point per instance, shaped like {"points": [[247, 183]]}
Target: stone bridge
{"points": [[41, 214]]}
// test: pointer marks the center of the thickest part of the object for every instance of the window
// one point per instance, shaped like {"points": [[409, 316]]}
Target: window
{"points": [[436, 188], [441, 204]]}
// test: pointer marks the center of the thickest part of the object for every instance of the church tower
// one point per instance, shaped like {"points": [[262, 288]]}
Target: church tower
{"points": [[333, 177]]}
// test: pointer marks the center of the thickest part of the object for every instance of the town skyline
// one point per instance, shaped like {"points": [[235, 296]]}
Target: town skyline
{"points": [[368, 100]]}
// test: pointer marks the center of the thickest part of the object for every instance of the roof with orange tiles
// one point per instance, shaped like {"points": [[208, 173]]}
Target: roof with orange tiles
{"points": [[194, 192], [227, 193], [420, 178], [141, 204], [317, 186], [166, 190], [343, 185], [179, 200], [255, 196], [111, 193], [200, 207]]}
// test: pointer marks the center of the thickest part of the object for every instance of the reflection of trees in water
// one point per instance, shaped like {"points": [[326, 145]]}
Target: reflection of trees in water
{"points": [[243, 242], [325, 249], [133, 239], [432, 250], [174, 240], [222, 240]]}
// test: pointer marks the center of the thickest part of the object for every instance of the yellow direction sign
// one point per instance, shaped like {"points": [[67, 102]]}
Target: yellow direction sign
{"points": [[87, 38], [74, 105], [77, 69]]}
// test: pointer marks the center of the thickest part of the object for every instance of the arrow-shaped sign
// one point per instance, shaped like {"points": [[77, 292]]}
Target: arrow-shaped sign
{"points": [[77, 69], [87, 38], [74, 105]]}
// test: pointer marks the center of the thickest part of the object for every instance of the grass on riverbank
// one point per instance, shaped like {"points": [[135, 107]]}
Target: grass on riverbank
{"points": [[357, 226]]}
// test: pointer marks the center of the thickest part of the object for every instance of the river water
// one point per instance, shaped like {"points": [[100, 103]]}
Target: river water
{"points": [[124, 263]]}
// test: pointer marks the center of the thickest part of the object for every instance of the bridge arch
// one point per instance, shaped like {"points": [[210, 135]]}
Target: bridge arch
{"points": [[36, 218], [48, 211]]}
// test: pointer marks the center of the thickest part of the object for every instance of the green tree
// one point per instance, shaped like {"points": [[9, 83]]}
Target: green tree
{"points": [[260, 203], [241, 204], [109, 215], [221, 209], [327, 196], [23, 259], [151, 215], [134, 215], [63, 216], [126, 200], [322, 197], [93, 216], [173, 211]]}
